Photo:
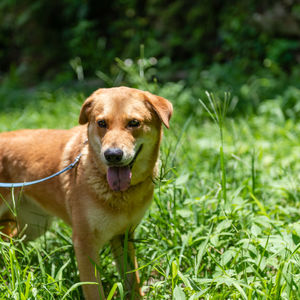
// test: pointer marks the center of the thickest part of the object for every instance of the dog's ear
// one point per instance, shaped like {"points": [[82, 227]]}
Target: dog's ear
{"points": [[161, 106], [86, 110]]}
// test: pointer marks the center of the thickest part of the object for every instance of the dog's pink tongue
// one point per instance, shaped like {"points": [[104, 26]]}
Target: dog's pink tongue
{"points": [[119, 178]]}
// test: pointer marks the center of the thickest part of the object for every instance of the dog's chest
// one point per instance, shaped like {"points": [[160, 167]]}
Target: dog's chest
{"points": [[105, 225]]}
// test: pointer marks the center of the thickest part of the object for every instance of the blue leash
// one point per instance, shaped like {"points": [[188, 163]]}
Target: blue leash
{"points": [[22, 184]]}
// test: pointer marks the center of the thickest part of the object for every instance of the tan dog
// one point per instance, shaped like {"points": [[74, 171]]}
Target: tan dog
{"points": [[108, 191]]}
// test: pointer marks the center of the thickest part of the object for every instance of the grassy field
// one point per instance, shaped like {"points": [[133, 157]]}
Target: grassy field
{"points": [[224, 223]]}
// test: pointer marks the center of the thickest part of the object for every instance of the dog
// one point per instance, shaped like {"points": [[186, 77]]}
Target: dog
{"points": [[104, 197]]}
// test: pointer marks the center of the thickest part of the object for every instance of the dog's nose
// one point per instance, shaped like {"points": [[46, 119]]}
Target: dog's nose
{"points": [[113, 155]]}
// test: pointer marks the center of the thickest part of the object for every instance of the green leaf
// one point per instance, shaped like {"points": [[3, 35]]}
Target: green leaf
{"points": [[178, 293], [223, 225]]}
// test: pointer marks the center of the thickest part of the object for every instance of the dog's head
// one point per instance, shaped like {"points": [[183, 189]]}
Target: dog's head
{"points": [[124, 130]]}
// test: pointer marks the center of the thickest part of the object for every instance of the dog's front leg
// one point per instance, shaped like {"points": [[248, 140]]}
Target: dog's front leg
{"points": [[87, 256], [126, 262]]}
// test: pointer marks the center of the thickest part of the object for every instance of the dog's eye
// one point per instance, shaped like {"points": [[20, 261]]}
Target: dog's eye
{"points": [[134, 123], [102, 124]]}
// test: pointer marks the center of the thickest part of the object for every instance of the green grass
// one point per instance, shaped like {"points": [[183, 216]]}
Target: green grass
{"points": [[195, 242]]}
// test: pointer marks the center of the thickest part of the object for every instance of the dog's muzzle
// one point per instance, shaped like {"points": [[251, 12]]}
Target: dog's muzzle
{"points": [[118, 176]]}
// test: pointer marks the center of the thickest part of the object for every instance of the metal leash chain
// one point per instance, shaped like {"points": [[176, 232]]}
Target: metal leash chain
{"points": [[22, 184]]}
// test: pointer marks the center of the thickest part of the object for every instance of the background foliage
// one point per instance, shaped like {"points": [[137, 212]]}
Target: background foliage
{"points": [[227, 45]]}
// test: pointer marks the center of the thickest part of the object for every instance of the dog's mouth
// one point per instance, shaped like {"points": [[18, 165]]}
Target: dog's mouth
{"points": [[119, 177]]}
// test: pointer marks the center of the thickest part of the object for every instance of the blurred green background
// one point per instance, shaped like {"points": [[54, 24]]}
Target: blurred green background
{"points": [[250, 48]]}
